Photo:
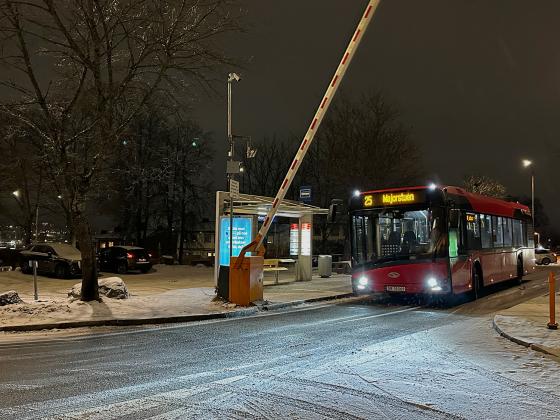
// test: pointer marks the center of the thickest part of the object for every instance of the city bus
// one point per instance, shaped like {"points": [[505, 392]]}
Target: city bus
{"points": [[434, 240]]}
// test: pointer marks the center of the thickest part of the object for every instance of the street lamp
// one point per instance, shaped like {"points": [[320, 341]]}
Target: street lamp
{"points": [[528, 163], [232, 77]]}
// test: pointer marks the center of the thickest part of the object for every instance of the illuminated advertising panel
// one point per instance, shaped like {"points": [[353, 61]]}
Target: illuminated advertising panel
{"points": [[306, 239], [242, 235], [294, 239]]}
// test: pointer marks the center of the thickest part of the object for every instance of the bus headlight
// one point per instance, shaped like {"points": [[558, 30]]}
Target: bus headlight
{"points": [[363, 281], [432, 282]]}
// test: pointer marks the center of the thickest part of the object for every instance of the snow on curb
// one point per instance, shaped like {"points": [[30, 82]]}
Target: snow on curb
{"points": [[168, 319], [520, 341]]}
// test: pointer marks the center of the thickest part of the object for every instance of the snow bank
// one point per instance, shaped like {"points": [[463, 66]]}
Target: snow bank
{"points": [[9, 298], [111, 287]]}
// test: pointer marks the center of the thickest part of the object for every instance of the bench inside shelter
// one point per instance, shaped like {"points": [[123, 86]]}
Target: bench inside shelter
{"points": [[274, 265]]}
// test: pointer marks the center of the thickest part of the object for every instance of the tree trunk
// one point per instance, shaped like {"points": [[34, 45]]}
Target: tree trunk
{"points": [[71, 229], [87, 248], [182, 231]]}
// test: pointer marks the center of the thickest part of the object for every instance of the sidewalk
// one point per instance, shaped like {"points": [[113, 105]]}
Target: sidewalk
{"points": [[525, 324], [168, 294]]}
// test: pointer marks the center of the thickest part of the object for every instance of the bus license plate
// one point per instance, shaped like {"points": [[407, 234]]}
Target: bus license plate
{"points": [[395, 288]]}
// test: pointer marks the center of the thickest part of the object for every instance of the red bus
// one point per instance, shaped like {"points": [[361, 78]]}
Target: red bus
{"points": [[437, 241]]}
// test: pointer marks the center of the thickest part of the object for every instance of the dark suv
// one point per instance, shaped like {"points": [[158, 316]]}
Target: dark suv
{"points": [[121, 259], [58, 259]]}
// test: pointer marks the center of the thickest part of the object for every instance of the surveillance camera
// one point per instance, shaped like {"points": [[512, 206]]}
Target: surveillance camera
{"points": [[234, 76]]}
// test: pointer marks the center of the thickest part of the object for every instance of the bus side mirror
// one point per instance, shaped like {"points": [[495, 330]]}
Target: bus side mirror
{"points": [[454, 218]]}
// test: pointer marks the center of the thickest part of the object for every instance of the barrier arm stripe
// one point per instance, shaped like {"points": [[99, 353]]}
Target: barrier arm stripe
{"points": [[314, 126]]}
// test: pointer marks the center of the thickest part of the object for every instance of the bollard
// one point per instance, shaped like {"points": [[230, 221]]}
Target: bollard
{"points": [[35, 291], [552, 324]]}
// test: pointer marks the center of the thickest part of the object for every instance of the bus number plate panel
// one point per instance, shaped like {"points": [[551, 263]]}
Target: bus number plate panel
{"points": [[395, 288]]}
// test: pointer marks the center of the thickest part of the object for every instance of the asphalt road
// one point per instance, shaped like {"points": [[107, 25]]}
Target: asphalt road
{"points": [[351, 359]]}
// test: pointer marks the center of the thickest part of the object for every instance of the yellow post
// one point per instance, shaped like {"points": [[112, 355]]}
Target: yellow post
{"points": [[552, 324]]}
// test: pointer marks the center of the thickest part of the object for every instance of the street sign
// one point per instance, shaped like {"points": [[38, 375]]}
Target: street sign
{"points": [[234, 188], [305, 194]]}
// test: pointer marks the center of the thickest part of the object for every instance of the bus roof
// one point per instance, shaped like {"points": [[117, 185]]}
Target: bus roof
{"points": [[470, 201], [489, 205]]}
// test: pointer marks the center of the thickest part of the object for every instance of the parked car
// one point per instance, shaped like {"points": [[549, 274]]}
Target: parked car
{"points": [[10, 258], [544, 256], [58, 259], [121, 259]]}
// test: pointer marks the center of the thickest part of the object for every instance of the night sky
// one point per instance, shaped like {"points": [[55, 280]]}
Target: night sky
{"points": [[478, 82]]}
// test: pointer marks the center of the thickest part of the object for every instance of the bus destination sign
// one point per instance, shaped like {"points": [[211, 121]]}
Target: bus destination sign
{"points": [[388, 199]]}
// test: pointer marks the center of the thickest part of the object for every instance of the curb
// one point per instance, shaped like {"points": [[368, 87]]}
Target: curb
{"points": [[532, 346], [282, 305], [168, 320]]}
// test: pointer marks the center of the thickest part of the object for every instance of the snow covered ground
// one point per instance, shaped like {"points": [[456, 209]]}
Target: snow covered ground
{"points": [[460, 370], [168, 291], [528, 321]]}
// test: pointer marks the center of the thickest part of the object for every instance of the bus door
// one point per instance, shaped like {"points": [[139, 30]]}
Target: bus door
{"points": [[459, 261]]}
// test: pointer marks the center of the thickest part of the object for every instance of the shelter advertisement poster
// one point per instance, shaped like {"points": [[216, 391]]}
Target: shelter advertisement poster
{"points": [[306, 239], [294, 239], [242, 235]]}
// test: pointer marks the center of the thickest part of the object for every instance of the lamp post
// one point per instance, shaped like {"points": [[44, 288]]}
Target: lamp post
{"points": [[232, 77], [17, 195], [528, 163]]}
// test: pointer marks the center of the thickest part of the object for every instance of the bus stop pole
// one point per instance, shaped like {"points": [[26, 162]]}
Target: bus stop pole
{"points": [[35, 291], [552, 324]]}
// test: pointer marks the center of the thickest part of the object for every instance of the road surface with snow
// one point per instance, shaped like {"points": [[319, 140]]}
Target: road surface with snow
{"points": [[352, 359]]}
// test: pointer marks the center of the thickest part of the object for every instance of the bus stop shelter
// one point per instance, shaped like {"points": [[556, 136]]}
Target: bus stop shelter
{"points": [[246, 212]]}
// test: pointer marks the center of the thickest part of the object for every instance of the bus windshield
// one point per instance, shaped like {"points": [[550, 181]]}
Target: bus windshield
{"points": [[398, 234]]}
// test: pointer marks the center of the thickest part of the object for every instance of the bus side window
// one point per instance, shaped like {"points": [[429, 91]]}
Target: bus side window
{"points": [[529, 234], [497, 231], [486, 231], [517, 233], [508, 238]]}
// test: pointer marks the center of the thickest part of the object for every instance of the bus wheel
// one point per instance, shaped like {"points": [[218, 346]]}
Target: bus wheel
{"points": [[519, 270], [477, 283]]}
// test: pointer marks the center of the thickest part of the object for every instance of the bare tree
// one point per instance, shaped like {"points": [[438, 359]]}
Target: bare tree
{"points": [[163, 176], [264, 173], [361, 145], [22, 176], [84, 68], [481, 184]]}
